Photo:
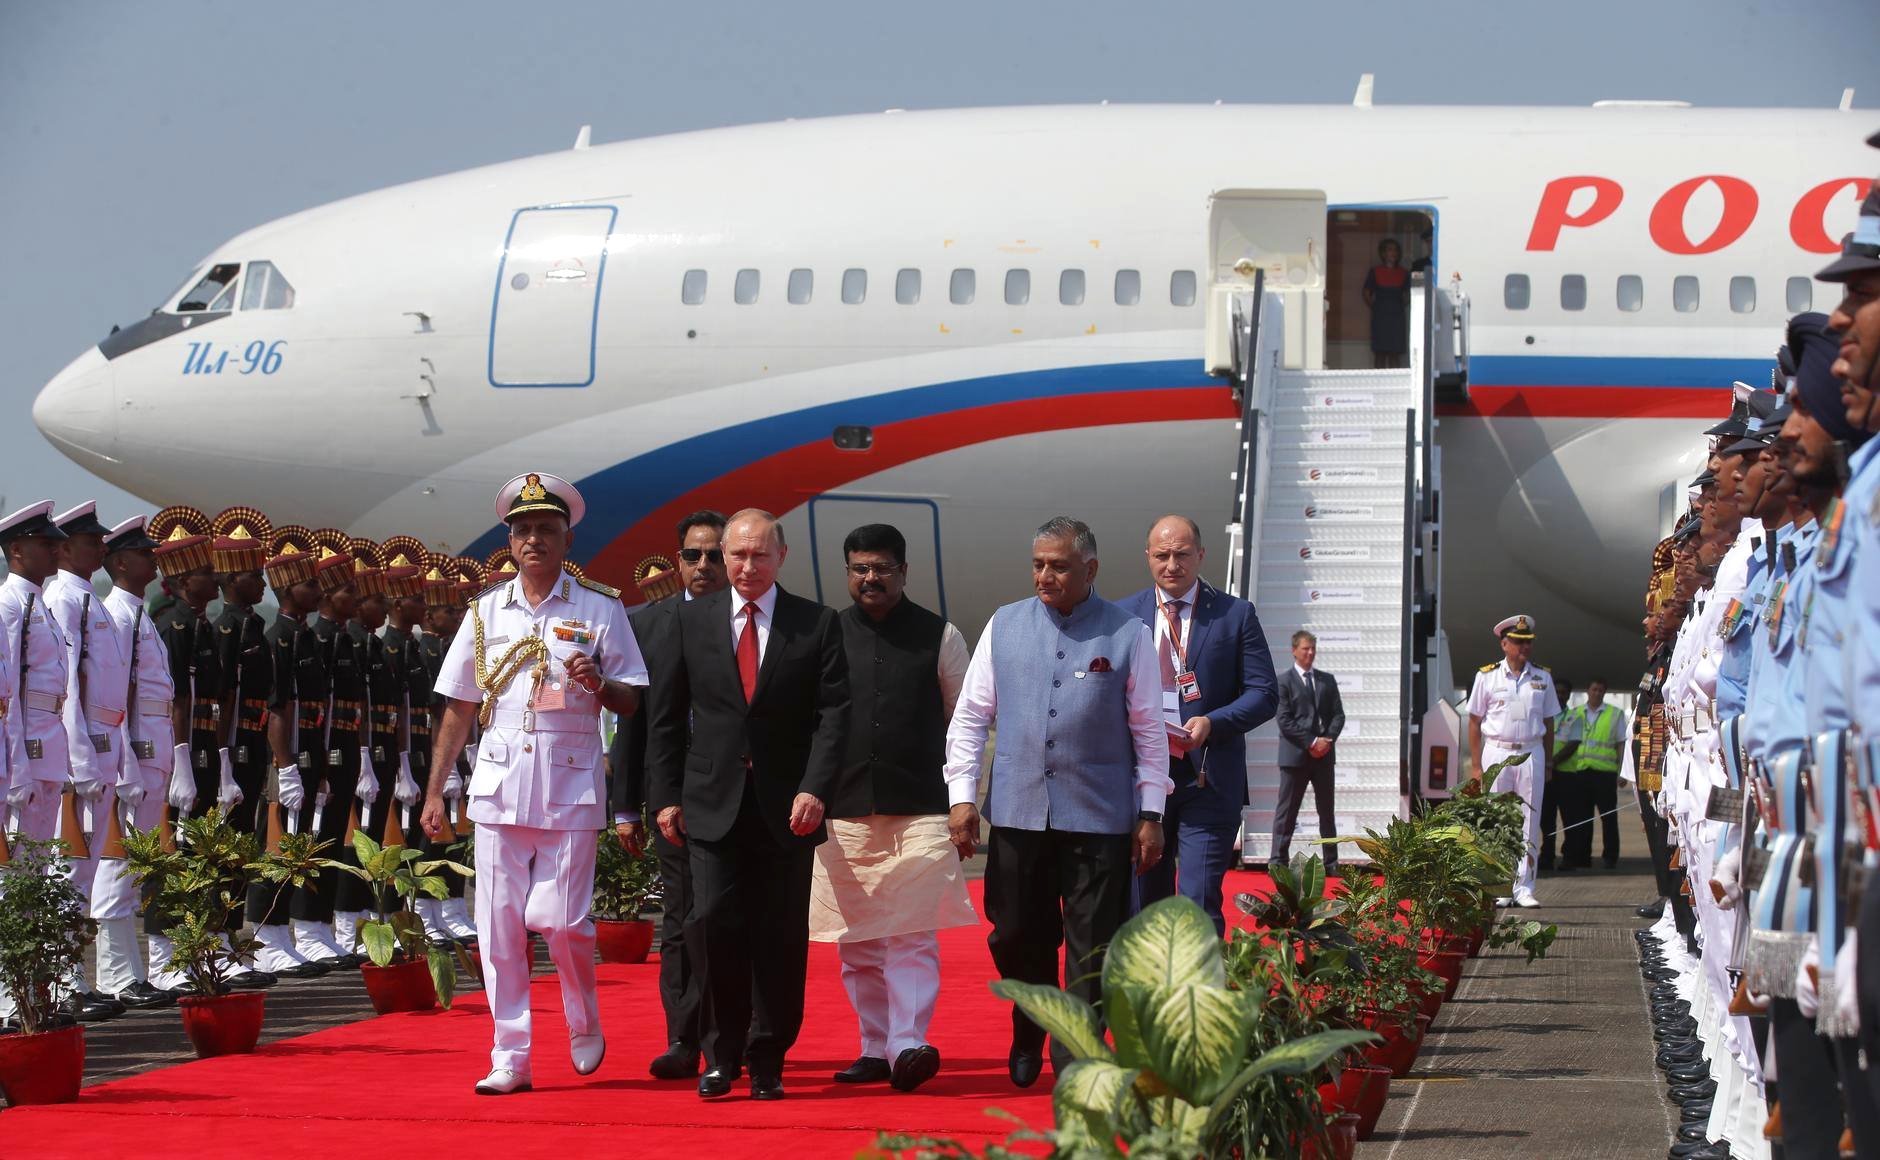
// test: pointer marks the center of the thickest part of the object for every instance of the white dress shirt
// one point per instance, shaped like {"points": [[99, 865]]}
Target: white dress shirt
{"points": [[978, 704], [954, 658], [1514, 707], [1186, 615], [766, 613]]}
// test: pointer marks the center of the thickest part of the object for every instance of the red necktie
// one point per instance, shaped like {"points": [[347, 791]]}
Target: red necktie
{"points": [[1172, 612], [747, 652]]}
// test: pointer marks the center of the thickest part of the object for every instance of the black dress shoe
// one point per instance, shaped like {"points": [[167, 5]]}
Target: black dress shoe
{"points": [[1686, 1093], [1688, 1133], [1672, 1008], [867, 1069], [1610, 863], [1661, 974], [1652, 910], [716, 1082], [1681, 1056], [85, 1011], [1695, 1071], [1024, 1066], [250, 981], [765, 1086], [1695, 1112], [141, 996], [914, 1067], [1696, 1150], [313, 969], [678, 1061], [1679, 1029]]}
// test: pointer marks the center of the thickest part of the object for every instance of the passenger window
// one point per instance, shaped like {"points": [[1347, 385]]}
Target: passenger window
{"points": [[1573, 292], [1515, 292], [744, 290], [907, 287], [1742, 294], [802, 282], [1631, 293], [1181, 288], [265, 289], [1800, 293], [1128, 287], [216, 291], [1017, 287], [692, 288], [854, 286], [960, 290], [1071, 288], [1684, 293]]}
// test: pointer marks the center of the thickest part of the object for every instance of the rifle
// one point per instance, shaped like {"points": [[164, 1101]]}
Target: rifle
{"points": [[114, 838], [77, 846]]}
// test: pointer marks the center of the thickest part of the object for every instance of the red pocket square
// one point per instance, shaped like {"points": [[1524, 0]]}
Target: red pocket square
{"points": [[1101, 665]]}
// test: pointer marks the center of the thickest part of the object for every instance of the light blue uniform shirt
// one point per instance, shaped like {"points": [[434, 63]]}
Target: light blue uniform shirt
{"points": [[1861, 528], [1774, 721]]}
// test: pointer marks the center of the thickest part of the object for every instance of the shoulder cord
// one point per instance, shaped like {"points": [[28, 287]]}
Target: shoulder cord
{"points": [[494, 680]]}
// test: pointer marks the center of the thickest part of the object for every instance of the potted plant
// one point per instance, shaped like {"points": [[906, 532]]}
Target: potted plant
{"points": [[200, 876], [622, 884], [407, 971], [44, 930]]}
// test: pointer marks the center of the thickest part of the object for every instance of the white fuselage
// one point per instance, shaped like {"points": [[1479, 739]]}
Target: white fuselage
{"points": [[447, 334]]}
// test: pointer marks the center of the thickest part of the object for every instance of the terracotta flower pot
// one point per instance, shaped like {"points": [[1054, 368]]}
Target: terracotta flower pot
{"points": [[1446, 965], [623, 941], [46, 1068], [223, 1024], [400, 987]]}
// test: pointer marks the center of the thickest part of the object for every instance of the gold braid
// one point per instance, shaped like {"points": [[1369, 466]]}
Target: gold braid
{"points": [[494, 681]]}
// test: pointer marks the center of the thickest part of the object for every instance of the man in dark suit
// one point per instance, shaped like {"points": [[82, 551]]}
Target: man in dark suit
{"points": [[1311, 716], [760, 688], [1217, 678], [702, 570]]}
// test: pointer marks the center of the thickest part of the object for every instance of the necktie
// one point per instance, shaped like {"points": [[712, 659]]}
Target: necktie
{"points": [[747, 652], [1312, 698], [1171, 612]]}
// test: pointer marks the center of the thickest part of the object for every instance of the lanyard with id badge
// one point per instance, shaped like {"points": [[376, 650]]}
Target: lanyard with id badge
{"points": [[568, 638], [1187, 690]]}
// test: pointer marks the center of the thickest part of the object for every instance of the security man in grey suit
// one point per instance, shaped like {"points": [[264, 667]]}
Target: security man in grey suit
{"points": [[1311, 716]]}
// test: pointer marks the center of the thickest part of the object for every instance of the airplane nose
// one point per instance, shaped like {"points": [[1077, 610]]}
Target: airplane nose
{"points": [[77, 410]]}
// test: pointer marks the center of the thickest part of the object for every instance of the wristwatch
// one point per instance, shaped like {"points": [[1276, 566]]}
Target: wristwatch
{"points": [[1149, 816]]}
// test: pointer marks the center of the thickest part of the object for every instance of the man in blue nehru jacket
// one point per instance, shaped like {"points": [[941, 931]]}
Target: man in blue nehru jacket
{"points": [[1079, 775]]}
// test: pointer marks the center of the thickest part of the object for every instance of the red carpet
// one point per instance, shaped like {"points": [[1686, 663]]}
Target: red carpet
{"points": [[403, 1082]]}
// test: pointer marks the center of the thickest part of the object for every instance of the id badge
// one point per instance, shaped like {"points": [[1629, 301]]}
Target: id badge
{"points": [[1188, 686], [550, 696]]}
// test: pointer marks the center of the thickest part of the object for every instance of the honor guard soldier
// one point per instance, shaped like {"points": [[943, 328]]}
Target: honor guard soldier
{"points": [[544, 654], [99, 676], [1511, 711], [380, 741], [332, 930], [239, 550], [147, 733], [405, 564], [444, 919]]}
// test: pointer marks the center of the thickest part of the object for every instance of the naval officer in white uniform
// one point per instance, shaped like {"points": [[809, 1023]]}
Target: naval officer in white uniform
{"points": [[1512, 710], [541, 655]]}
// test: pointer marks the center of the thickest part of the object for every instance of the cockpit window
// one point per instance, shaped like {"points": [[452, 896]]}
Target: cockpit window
{"points": [[215, 292], [265, 289]]}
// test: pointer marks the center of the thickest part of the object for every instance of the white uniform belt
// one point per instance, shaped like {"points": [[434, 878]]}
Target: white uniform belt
{"points": [[1506, 743], [147, 708], [44, 702], [109, 718], [534, 722]]}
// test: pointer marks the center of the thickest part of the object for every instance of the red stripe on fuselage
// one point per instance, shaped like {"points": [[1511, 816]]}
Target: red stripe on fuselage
{"points": [[791, 478], [1493, 402]]}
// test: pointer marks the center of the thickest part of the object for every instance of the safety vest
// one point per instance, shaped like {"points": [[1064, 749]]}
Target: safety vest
{"points": [[1599, 743]]}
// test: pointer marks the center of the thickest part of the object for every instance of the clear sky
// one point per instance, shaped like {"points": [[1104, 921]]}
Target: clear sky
{"points": [[136, 136]]}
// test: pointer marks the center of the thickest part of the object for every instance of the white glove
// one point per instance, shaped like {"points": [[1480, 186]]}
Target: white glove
{"points": [[87, 784], [1847, 998], [21, 793], [367, 790], [228, 795], [1805, 995], [182, 781], [453, 785], [287, 788], [1728, 875], [407, 790], [131, 793]]}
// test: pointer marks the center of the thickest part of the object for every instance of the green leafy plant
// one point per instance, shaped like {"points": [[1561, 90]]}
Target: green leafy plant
{"points": [[44, 929], [1531, 936], [623, 882], [202, 883], [398, 875]]}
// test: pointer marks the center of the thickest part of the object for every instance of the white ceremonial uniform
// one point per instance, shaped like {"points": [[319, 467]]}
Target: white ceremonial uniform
{"points": [[1515, 709], [146, 742], [35, 725], [94, 722], [536, 796]]}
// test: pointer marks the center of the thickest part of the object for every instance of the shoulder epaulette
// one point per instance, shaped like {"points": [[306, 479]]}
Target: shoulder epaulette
{"points": [[1544, 669], [487, 590], [1488, 668], [597, 586]]}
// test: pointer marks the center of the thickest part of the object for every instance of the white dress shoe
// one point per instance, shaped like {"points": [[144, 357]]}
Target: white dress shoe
{"points": [[503, 1082], [1527, 900], [587, 1052], [457, 919]]}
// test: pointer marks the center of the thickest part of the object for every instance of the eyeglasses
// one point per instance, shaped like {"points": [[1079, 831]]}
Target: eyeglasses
{"points": [[694, 555], [864, 571]]}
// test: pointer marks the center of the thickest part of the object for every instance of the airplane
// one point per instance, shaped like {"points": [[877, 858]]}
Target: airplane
{"points": [[964, 322]]}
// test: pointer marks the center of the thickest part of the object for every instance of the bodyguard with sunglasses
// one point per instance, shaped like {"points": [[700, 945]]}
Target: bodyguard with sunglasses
{"points": [[702, 566]]}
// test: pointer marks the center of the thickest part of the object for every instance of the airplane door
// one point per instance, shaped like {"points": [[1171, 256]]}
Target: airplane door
{"points": [[1280, 232], [548, 293], [833, 517]]}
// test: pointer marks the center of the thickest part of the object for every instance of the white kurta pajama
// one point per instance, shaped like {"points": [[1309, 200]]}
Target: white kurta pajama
{"points": [[537, 800]]}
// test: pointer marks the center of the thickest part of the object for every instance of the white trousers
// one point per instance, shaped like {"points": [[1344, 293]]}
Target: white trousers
{"points": [[114, 892], [892, 984], [39, 821], [540, 880], [1524, 779]]}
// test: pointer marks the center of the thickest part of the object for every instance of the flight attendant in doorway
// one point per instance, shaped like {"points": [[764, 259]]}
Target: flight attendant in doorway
{"points": [[1387, 293]]}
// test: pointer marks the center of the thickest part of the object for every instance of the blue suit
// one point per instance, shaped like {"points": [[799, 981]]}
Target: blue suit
{"points": [[1227, 652]]}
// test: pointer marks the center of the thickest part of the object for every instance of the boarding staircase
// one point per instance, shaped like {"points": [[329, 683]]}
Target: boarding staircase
{"points": [[1337, 530]]}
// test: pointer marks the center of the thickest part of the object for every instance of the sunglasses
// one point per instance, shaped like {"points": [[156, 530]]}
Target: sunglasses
{"points": [[694, 555]]}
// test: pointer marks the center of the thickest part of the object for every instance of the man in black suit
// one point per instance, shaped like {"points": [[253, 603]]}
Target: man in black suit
{"points": [[1311, 716], [761, 689], [702, 569]]}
